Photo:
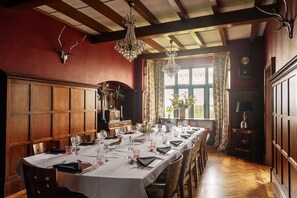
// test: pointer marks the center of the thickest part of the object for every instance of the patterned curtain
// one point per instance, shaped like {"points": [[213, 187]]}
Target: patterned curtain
{"points": [[220, 82], [155, 90]]}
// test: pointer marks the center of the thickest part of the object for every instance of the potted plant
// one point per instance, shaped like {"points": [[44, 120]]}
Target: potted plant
{"points": [[118, 95], [182, 102]]}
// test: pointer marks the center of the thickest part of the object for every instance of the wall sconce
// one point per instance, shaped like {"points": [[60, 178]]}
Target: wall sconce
{"points": [[244, 107], [64, 54], [284, 20]]}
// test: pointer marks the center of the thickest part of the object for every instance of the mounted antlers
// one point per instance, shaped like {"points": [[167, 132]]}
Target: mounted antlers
{"points": [[64, 54], [285, 22]]}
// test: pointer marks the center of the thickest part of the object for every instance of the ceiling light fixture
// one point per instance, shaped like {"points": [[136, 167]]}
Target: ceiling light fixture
{"points": [[130, 47], [171, 68]]}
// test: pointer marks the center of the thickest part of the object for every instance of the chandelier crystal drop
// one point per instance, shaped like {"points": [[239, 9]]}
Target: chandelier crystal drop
{"points": [[130, 47], [171, 68]]}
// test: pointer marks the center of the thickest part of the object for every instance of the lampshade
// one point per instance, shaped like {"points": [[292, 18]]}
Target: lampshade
{"points": [[244, 107]]}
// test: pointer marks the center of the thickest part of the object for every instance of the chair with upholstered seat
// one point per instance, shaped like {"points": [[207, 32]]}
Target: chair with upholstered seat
{"points": [[170, 187], [43, 183], [185, 173], [42, 147]]}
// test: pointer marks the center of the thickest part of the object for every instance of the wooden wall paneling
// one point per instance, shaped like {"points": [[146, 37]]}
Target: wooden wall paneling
{"points": [[284, 129], [40, 127], [41, 110], [17, 135], [77, 99], [60, 125], [61, 97]]}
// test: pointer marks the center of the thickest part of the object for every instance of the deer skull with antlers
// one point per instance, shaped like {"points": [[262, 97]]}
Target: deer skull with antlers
{"points": [[284, 20], [64, 53]]}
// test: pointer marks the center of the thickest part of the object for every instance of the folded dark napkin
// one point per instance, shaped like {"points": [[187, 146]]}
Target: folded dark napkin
{"points": [[70, 167], [176, 142], [196, 129], [163, 150], [185, 136], [111, 137], [130, 132], [87, 143], [191, 132], [57, 150], [144, 161]]}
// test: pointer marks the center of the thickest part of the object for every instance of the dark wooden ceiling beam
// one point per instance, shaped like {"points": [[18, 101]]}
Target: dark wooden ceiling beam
{"points": [[204, 23], [106, 11], [144, 12], [79, 16], [185, 53], [215, 6], [154, 44], [177, 42], [254, 31], [223, 36], [198, 39], [179, 9], [25, 4]]}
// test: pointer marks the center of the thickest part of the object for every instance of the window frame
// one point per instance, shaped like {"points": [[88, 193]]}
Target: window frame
{"points": [[191, 88]]}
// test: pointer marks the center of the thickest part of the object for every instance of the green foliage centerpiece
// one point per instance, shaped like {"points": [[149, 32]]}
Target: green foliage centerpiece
{"points": [[182, 102]]}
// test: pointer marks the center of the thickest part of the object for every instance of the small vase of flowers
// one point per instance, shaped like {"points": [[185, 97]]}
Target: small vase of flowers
{"points": [[182, 102]]}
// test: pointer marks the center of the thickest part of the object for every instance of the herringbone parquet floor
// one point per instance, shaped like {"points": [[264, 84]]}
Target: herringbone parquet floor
{"points": [[227, 177]]}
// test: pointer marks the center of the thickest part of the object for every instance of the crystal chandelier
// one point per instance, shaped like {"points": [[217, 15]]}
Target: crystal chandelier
{"points": [[171, 68], [130, 47]]}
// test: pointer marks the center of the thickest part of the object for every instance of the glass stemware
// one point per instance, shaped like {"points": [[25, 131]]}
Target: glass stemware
{"points": [[75, 141]]}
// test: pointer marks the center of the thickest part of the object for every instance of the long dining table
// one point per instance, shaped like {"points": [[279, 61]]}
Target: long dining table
{"points": [[117, 177]]}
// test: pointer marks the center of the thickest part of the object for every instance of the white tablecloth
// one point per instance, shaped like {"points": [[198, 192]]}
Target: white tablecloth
{"points": [[116, 178]]}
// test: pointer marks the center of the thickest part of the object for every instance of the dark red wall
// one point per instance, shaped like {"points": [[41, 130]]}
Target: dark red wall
{"points": [[28, 46]]}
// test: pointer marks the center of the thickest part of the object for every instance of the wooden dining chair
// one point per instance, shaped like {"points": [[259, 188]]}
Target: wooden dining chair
{"points": [[43, 183], [202, 158], [42, 147], [194, 155], [170, 187], [185, 173]]}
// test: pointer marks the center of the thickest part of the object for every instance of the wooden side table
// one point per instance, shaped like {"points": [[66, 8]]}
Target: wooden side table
{"points": [[247, 142]]}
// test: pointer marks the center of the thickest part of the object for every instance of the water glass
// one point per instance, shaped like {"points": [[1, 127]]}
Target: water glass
{"points": [[152, 145], [69, 150], [136, 153], [100, 157], [164, 138]]}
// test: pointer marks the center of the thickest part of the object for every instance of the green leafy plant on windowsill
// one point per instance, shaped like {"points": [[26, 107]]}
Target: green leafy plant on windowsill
{"points": [[182, 101]]}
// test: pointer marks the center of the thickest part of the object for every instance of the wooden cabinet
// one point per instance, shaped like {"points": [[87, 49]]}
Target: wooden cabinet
{"points": [[111, 127], [255, 120], [37, 110], [243, 141]]}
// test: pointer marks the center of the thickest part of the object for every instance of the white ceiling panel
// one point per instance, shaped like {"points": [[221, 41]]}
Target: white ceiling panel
{"points": [[162, 10], [76, 3], [46, 9], [87, 29], [262, 28], [66, 18], [197, 8], [94, 14], [239, 32], [210, 36]]}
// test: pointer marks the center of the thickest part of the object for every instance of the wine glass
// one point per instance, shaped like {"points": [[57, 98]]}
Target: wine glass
{"points": [[138, 126]]}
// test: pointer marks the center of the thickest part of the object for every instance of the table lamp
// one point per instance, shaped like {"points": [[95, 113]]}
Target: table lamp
{"points": [[244, 107]]}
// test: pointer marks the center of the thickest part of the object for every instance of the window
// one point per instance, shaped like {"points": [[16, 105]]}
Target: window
{"points": [[195, 81]]}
